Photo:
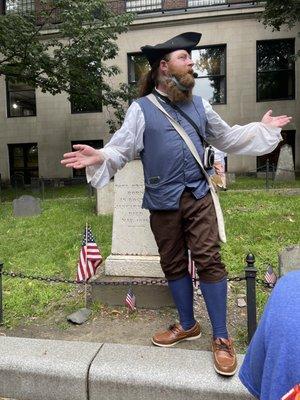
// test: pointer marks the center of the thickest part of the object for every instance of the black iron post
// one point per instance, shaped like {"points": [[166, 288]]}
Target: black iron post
{"points": [[42, 187], [1, 308], [267, 174], [250, 275], [273, 173]]}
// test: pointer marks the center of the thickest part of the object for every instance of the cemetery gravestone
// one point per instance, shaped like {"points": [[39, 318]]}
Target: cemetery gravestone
{"points": [[105, 199], [289, 259], [26, 206], [35, 185], [285, 167], [134, 251], [17, 181]]}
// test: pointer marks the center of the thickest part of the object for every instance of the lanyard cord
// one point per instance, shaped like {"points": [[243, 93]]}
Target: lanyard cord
{"points": [[175, 107]]}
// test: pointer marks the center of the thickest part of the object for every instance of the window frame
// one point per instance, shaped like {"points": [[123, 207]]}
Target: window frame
{"points": [[133, 83], [221, 45], [129, 55], [224, 45], [257, 73], [24, 171], [8, 106]]}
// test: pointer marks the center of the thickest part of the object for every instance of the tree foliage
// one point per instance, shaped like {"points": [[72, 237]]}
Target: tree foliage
{"points": [[69, 46], [278, 13]]}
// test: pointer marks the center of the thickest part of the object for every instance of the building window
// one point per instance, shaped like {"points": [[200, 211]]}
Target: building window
{"points": [[20, 6], [210, 65], [143, 5], [82, 103], [21, 100], [137, 66], [23, 162], [261, 161], [80, 96], [275, 69], [97, 144]]}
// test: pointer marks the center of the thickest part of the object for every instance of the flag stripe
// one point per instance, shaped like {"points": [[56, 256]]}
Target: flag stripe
{"points": [[90, 257], [270, 276], [130, 300]]}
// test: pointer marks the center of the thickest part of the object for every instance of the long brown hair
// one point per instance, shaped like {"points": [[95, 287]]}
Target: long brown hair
{"points": [[148, 80]]}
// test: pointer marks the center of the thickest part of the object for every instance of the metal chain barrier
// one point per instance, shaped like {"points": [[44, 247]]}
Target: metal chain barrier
{"points": [[109, 283], [249, 277]]}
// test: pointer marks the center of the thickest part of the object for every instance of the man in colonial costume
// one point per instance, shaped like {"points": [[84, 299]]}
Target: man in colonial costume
{"points": [[177, 191]]}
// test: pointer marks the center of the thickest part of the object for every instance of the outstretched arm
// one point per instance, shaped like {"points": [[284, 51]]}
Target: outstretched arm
{"points": [[255, 139], [124, 146]]}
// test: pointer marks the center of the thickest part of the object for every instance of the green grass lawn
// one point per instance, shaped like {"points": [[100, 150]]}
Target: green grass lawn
{"points": [[245, 182], [46, 245], [262, 223], [49, 192]]}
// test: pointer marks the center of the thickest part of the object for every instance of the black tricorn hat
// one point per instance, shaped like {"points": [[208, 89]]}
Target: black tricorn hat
{"points": [[184, 41]]}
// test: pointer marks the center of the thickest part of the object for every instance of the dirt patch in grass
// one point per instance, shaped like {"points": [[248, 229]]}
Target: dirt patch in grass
{"points": [[115, 325]]}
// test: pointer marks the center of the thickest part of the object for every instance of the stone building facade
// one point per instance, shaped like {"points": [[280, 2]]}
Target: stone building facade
{"points": [[234, 74]]}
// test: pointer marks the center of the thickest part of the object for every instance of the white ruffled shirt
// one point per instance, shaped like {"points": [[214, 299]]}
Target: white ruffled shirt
{"points": [[253, 139]]}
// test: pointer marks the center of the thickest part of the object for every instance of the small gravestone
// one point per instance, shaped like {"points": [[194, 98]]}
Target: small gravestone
{"points": [[17, 181], [35, 185], [105, 199], [26, 206], [289, 259], [285, 167], [230, 177]]}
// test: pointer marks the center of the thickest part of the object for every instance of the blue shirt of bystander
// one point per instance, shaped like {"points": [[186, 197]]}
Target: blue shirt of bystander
{"points": [[272, 363]]}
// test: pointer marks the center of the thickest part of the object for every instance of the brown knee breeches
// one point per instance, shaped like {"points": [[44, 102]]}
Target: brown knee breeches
{"points": [[193, 226]]}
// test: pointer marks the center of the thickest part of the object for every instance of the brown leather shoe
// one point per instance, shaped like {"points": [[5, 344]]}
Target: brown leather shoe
{"points": [[176, 334], [225, 362]]}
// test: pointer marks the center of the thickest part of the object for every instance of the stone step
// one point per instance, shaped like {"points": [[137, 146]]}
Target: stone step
{"points": [[148, 295]]}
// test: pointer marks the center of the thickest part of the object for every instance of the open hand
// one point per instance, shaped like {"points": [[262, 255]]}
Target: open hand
{"points": [[276, 122], [83, 156]]}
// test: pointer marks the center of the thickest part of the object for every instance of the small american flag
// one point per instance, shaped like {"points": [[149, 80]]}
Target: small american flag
{"points": [[192, 269], [270, 276], [130, 300], [90, 257]]}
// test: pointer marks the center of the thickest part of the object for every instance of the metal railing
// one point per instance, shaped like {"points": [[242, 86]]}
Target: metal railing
{"points": [[121, 6], [19, 6], [147, 6]]}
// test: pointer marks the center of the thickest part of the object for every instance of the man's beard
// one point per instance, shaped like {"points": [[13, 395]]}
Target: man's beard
{"points": [[176, 94]]}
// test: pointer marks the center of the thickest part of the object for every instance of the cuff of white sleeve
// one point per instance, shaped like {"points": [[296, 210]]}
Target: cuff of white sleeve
{"points": [[273, 130], [94, 172]]}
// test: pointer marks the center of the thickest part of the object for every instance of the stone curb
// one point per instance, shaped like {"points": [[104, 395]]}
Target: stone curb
{"points": [[35, 369], [31, 369]]}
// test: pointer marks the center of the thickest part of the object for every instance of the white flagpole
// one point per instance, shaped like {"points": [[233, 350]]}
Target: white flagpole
{"points": [[85, 285]]}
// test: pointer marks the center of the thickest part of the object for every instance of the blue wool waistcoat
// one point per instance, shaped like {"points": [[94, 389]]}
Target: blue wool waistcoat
{"points": [[169, 166]]}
